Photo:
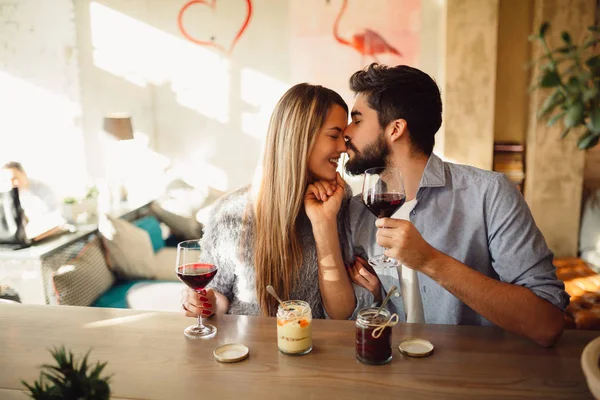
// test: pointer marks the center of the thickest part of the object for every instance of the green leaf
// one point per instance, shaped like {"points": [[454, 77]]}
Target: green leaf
{"points": [[595, 121], [56, 381], [566, 49], [572, 100], [532, 88], [531, 38], [550, 66], [593, 62], [589, 43], [83, 366], [570, 70], [543, 29], [594, 28], [588, 140], [95, 374], [574, 115], [537, 60], [550, 79], [584, 76], [555, 118], [574, 85], [589, 94], [550, 103], [566, 37], [564, 133]]}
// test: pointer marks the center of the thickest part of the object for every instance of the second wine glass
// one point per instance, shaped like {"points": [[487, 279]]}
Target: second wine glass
{"points": [[383, 194]]}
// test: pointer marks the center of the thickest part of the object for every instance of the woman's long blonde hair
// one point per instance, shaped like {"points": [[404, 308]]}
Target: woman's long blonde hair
{"points": [[297, 119]]}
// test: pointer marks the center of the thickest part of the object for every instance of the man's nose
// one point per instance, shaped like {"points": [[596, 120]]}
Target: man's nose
{"points": [[347, 133], [341, 145]]}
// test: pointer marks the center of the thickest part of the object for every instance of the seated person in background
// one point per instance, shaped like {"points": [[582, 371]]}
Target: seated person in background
{"points": [[261, 234], [40, 205], [478, 255], [36, 197]]}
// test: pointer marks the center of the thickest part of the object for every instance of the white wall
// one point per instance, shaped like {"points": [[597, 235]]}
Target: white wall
{"points": [[204, 111], [193, 108], [40, 112]]}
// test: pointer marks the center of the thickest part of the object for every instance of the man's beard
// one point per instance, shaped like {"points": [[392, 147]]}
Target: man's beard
{"points": [[374, 155]]}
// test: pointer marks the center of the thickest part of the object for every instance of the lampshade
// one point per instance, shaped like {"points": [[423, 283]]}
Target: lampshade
{"points": [[119, 126]]}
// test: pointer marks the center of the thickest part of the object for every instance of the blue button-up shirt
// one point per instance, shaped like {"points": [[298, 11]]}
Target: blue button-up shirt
{"points": [[477, 217]]}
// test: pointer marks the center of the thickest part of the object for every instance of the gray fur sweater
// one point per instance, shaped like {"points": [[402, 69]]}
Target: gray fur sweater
{"points": [[222, 245]]}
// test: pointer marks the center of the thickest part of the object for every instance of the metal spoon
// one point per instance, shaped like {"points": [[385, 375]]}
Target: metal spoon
{"points": [[384, 302], [272, 293]]}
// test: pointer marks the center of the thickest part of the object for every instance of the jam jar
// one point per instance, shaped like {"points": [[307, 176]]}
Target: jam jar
{"points": [[374, 336]]}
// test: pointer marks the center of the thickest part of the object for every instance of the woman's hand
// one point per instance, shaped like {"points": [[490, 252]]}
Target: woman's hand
{"points": [[323, 199], [203, 303], [363, 275]]}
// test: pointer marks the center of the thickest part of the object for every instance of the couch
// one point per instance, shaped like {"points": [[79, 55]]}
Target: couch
{"points": [[128, 267]]}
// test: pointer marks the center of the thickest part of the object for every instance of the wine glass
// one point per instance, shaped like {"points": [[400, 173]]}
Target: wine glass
{"points": [[383, 194], [196, 275]]}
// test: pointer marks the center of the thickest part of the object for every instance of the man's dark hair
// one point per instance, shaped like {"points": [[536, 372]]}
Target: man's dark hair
{"points": [[402, 92], [14, 165]]}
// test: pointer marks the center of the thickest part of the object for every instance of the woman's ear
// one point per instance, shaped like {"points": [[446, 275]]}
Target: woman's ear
{"points": [[397, 127]]}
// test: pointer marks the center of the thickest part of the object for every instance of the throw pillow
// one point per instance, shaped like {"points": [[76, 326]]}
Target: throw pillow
{"points": [[83, 279], [151, 225], [164, 264], [186, 228], [129, 249]]}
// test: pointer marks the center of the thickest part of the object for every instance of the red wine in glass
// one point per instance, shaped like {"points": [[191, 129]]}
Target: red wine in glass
{"points": [[196, 276], [383, 194], [384, 205]]}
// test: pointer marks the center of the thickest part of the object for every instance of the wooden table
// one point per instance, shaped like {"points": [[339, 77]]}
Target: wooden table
{"points": [[151, 359]]}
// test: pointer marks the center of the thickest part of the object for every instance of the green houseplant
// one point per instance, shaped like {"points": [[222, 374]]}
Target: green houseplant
{"points": [[575, 84], [70, 379]]}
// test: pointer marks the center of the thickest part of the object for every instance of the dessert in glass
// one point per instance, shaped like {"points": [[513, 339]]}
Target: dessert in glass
{"points": [[294, 327], [374, 336]]}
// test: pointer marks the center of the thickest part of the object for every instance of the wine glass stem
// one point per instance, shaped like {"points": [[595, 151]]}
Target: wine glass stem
{"points": [[384, 258], [200, 326]]}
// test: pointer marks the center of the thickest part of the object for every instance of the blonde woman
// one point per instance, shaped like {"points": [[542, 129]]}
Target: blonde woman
{"points": [[261, 234]]}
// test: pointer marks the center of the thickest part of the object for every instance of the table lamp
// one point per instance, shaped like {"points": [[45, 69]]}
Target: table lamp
{"points": [[119, 126]]}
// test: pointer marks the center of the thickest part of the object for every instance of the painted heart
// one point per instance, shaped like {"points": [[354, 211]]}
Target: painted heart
{"points": [[212, 5]]}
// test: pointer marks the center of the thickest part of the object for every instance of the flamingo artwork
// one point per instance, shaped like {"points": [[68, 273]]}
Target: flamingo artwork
{"points": [[367, 43]]}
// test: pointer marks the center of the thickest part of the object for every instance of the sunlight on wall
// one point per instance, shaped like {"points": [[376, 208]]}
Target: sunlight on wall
{"points": [[142, 54], [262, 92], [199, 173], [39, 128], [133, 164]]}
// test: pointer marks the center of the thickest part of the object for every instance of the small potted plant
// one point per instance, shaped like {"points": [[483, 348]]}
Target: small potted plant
{"points": [[70, 379]]}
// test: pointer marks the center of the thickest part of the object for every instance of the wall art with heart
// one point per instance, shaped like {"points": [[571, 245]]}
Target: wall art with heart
{"points": [[205, 15]]}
